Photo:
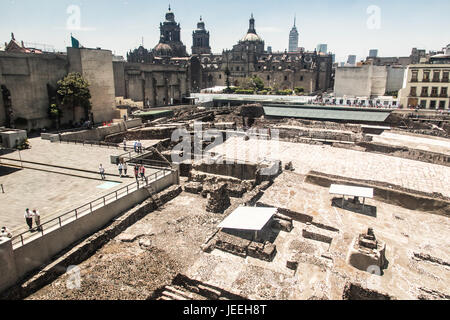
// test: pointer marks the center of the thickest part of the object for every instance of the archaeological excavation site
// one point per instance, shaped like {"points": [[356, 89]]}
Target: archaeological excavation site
{"points": [[239, 205]]}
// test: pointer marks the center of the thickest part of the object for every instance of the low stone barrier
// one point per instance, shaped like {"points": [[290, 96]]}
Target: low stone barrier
{"points": [[410, 199]]}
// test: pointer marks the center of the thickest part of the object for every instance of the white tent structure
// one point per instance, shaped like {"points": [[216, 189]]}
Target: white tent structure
{"points": [[351, 191], [248, 218]]}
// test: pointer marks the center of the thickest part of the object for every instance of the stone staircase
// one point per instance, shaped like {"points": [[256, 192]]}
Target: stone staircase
{"points": [[184, 288], [157, 201]]}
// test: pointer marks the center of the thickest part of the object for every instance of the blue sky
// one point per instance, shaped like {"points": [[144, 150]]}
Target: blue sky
{"points": [[119, 25]]}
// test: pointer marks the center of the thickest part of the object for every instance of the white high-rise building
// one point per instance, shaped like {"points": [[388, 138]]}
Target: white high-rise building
{"points": [[322, 48], [293, 39]]}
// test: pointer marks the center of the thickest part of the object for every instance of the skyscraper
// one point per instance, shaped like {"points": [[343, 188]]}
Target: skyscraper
{"points": [[322, 47], [373, 53], [293, 39], [351, 59]]}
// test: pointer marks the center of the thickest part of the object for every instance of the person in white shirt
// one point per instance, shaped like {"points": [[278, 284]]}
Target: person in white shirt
{"points": [[102, 172], [29, 218], [5, 233], [125, 168], [120, 169]]}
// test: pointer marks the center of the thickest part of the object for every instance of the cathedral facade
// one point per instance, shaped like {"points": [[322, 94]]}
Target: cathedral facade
{"points": [[311, 71]]}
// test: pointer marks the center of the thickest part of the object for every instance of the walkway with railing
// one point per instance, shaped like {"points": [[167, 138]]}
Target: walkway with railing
{"points": [[88, 208]]}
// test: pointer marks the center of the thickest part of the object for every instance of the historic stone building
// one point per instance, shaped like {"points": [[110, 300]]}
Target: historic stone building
{"points": [[170, 44], [29, 82], [309, 70], [200, 39], [427, 84]]}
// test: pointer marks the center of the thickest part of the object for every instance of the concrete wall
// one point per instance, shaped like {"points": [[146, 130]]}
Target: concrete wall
{"points": [[395, 77], [7, 266], [22, 260], [352, 81], [99, 134], [153, 84], [26, 76], [96, 66], [378, 78]]}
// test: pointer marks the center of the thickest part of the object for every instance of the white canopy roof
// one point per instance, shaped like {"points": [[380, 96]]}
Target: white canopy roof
{"points": [[248, 218], [351, 191]]}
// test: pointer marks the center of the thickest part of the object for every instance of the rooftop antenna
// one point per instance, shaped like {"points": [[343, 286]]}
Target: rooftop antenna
{"points": [[295, 18]]}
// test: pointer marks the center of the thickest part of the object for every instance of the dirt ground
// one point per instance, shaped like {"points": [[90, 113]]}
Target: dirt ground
{"points": [[149, 254]]}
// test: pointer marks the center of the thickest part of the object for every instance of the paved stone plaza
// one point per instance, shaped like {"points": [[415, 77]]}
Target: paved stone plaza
{"points": [[433, 144], [406, 173], [56, 190]]}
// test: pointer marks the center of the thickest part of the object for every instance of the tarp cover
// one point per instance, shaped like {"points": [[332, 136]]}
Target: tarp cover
{"points": [[351, 191], [248, 218]]}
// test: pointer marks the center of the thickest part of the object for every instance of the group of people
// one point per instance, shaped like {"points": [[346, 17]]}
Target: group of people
{"points": [[139, 172], [123, 167], [137, 146], [33, 215]]}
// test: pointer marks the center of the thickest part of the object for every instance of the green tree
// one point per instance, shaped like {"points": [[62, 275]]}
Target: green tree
{"points": [[258, 83], [74, 92]]}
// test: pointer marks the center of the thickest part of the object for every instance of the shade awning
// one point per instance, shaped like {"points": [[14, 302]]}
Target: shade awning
{"points": [[248, 218], [351, 191]]}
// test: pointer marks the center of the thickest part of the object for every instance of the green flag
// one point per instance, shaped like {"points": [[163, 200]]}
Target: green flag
{"points": [[75, 42]]}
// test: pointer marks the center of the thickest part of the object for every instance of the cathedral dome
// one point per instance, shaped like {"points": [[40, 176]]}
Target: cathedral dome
{"points": [[163, 49], [252, 37]]}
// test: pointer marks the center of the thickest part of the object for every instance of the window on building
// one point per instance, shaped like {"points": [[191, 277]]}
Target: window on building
{"points": [[426, 76], [434, 91], [414, 76], [442, 104], [413, 92], [444, 92], [423, 104], [424, 92], [445, 76], [436, 76], [433, 104], [268, 78], [341, 101], [301, 78], [285, 78], [220, 76]]}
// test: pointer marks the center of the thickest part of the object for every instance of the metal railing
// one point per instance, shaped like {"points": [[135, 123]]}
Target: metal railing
{"points": [[92, 143], [88, 208]]}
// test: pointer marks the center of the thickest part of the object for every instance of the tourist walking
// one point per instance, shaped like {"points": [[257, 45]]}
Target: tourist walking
{"points": [[120, 169], [139, 146], [142, 172], [135, 146], [125, 168], [136, 172], [37, 220], [102, 172], [29, 218], [124, 144]]}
